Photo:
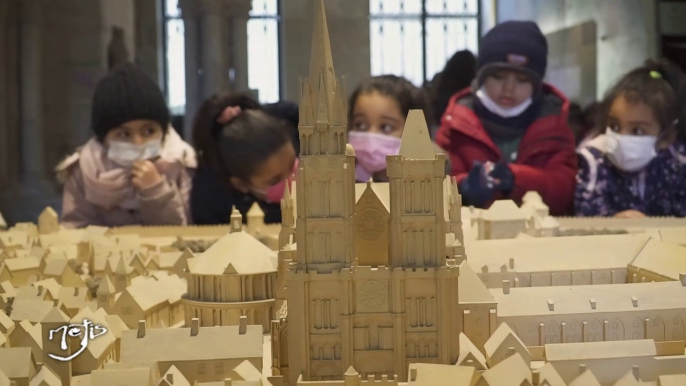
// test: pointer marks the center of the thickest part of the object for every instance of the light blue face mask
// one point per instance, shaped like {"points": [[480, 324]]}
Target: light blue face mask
{"points": [[126, 154]]}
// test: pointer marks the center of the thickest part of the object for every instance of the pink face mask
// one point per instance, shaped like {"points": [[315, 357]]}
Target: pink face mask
{"points": [[274, 193], [371, 150]]}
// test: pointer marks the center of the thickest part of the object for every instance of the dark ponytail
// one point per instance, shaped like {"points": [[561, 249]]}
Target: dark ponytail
{"points": [[238, 147]]}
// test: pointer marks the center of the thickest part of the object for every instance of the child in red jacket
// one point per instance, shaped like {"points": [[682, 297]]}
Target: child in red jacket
{"points": [[508, 134]]}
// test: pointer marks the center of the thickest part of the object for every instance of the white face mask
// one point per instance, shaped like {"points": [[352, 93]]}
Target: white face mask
{"points": [[630, 153], [125, 153], [500, 111]]}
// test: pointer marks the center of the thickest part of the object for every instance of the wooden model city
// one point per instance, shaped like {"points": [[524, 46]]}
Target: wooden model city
{"points": [[363, 284]]}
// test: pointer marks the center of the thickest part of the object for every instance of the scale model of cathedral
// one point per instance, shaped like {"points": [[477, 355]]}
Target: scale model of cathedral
{"points": [[370, 287]]}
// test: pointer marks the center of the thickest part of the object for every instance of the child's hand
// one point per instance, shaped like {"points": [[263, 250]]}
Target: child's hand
{"points": [[476, 189], [145, 175], [502, 176], [631, 213]]}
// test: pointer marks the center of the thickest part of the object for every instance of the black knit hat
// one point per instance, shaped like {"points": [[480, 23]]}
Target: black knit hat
{"points": [[127, 94], [514, 45]]}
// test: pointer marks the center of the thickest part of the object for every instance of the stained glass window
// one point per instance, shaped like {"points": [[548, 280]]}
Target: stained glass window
{"points": [[414, 38]]}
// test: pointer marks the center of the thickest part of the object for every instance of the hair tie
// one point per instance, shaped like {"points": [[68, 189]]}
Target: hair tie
{"points": [[229, 114]]}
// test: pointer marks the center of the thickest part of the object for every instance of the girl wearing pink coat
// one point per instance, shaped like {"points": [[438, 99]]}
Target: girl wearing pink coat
{"points": [[136, 170]]}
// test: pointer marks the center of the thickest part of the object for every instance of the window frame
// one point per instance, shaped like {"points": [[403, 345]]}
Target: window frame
{"points": [[166, 18], [423, 18]]}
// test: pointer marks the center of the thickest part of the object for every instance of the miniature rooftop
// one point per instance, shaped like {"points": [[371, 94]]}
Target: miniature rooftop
{"points": [[597, 350], [662, 258], [243, 252], [556, 253], [567, 300], [177, 344]]}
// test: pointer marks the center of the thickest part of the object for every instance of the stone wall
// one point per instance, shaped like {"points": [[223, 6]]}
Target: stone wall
{"points": [[627, 29]]}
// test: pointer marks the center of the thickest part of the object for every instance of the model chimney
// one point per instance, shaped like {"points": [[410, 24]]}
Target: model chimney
{"points": [[506, 287], [551, 305], [195, 326], [634, 301], [243, 325], [141, 329], [682, 279], [511, 262], [227, 382], [582, 369], [40, 290]]}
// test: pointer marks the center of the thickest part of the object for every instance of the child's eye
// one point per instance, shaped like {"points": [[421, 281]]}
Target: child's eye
{"points": [[638, 131], [149, 131], [387, 129], [614, 128], [360, 126], [123, 134]]}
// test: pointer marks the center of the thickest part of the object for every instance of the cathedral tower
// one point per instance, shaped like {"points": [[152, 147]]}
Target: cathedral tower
{"points": [[417, 219], [326, 175]]}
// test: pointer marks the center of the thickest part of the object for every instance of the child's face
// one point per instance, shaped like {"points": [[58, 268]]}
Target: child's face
{"points": [[632, 118], [135, 132], [508, 88], [377, 113], [274, 169]]}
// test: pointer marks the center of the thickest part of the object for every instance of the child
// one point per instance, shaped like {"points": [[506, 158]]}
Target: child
{"points": [[637, 168], [136, 169], [509, 135], [376, 118], [246, 153]]}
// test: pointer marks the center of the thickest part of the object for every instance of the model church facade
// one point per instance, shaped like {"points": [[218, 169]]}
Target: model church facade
{"points": [[394, 302]]}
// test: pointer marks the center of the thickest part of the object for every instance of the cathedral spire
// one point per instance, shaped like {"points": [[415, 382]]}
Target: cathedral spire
{"points": [[416, 141], [321, 60]]}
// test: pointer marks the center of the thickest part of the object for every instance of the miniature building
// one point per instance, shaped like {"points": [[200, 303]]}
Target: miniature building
{"points": [[62, 272], [424, 374], [503, 344], [45, 377], [99, 350], [513, 371], [235, 277], [608, 361], [470, 355], [194, 351], [476, 307], [547, 376], [48, 221], [585, 379], [543, 262], [503, 220], [20, 271], [143, 376], [658, 261], [145, 300], [377, 319], [28, 335], [594, 313], [18, 364], [173, 377]]}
